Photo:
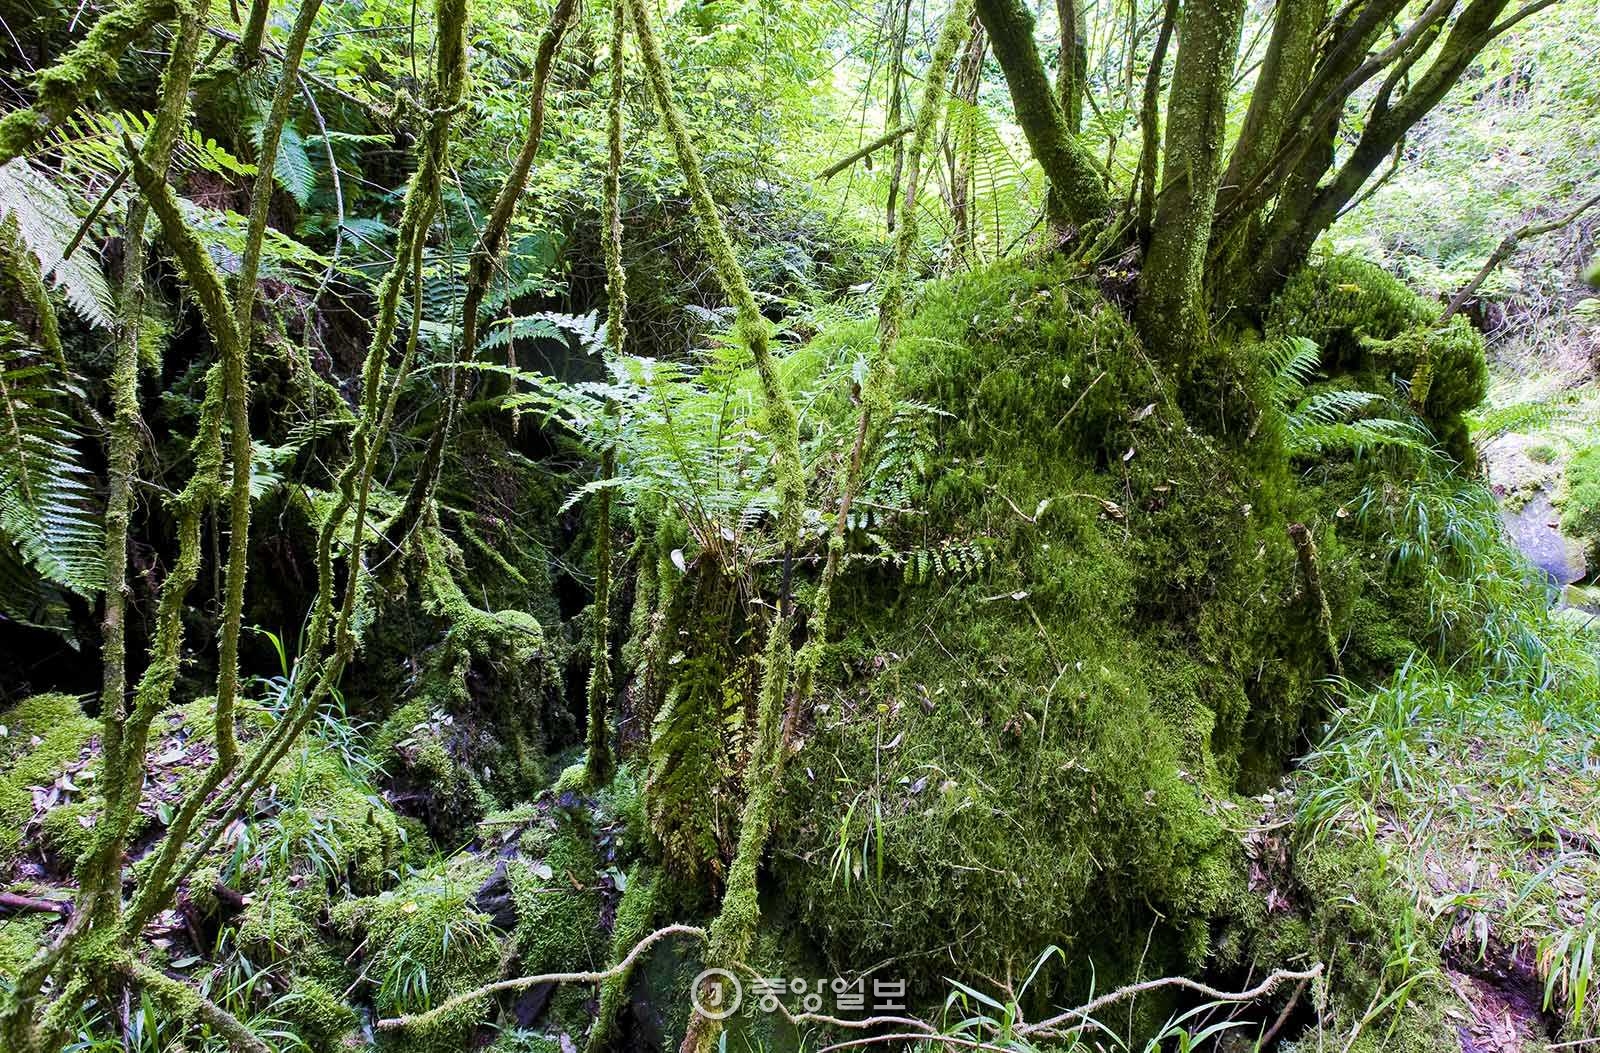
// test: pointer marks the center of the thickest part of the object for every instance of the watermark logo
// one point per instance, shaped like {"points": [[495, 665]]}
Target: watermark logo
{"points": [[719, 994], [716, 993]]}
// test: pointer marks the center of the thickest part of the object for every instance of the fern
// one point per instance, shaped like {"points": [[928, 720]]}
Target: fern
{"points": [[46, 223], [48, 509], [292, 166], [1529, 415], [1330, 420]]}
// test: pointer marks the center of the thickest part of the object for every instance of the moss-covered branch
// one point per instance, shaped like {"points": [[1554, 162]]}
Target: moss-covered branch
{"points": [[236, 384], [891, 309], [1171, 313], [64, 87], [124, 729], [185, 1003], [481, 269], [600, 763], [1078, 188], [752, 328]]}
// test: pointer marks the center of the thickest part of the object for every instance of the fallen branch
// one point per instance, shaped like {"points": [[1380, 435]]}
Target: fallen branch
{"points": [[189, 1001], [1085, 1012], [12, 901], [523, 982]]}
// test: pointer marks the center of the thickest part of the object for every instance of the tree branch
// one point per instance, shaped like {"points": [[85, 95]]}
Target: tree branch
{"points": [[522, 983], [877, 144], [1509, 245]]}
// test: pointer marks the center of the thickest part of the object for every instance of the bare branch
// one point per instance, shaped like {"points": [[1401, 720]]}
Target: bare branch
{"points": [[1507, 246], [522, 983]]}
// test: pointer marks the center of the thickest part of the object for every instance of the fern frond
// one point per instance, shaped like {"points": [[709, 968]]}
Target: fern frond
{"points": [[46, 223], [1357, 436], [1334, 407], [1530, 415], [292, 167], [1291, 363], [48, 507]]}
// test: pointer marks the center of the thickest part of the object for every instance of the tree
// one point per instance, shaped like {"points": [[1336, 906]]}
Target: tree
{"points": [[1225, 236]]}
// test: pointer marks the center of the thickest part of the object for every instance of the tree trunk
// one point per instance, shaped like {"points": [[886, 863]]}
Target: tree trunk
{"points": [[1077, 186], [1171, 314]]}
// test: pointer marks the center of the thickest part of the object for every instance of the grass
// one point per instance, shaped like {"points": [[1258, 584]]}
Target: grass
{"points": [[1476, 770]]}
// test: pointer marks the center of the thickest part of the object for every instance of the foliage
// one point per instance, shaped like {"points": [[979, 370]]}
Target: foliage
{"points": [[48, 507]]}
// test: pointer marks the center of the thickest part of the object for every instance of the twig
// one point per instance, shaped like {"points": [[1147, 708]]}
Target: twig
{"points": [[524, 982], [1283, 1017], [338, 202], [94, 213], [1086, 1012], [918, 1036], [363, 105]]}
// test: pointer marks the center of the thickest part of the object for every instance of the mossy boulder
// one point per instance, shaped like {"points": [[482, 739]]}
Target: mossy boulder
{"points": [[1055, 671], [422, 943], [1370, 324], [1580, 500]]}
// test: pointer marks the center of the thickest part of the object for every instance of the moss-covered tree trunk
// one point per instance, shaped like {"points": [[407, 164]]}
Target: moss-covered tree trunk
{"points": [[1171, 314], [1077, 186]]}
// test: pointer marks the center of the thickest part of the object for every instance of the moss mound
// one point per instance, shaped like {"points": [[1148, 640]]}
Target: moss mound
{"points": [[1580, 500], [44, 734], [1369, 324], [1088, 632]]}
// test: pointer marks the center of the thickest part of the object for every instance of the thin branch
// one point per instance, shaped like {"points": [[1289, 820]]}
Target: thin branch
{"points": [[1507, 246], [1086, 1011], [877, 144], [522, 983]]}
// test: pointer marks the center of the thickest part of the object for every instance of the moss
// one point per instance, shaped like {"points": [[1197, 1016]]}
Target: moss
{"points": [[1368, 933], [1038, 745], [424, 750], [319, 1016], [334, 826], [1580, 499], [690, 787], [21, 936], [44, 734], [481, 702], [636, 913], [1370, 324], [558, 899], [422, 943]]}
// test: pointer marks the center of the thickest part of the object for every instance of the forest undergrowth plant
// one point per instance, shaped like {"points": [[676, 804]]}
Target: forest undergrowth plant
{"points": [[1464, 769]]}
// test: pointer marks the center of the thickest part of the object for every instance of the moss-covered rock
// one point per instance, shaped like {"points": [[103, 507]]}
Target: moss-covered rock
{"points": [[44, 734], [1087, 633], [1580, 500], [421, 943], [1368, 323], [319, 1016]]}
